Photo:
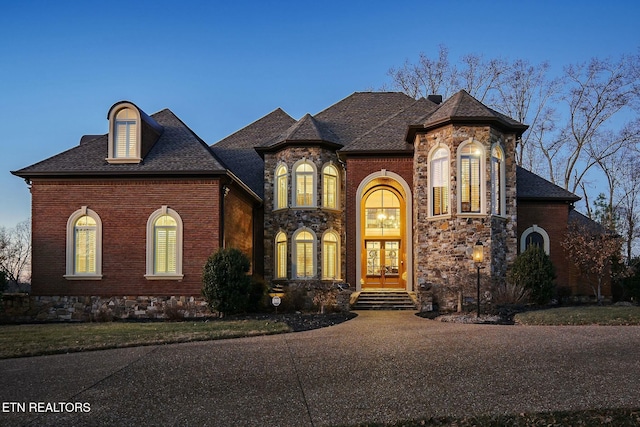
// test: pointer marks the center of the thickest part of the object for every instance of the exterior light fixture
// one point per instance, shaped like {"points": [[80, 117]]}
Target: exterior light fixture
{"points": [[478, 257]]}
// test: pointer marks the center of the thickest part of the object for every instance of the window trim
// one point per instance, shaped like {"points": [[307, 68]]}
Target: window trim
{"points": [[430, 204], [70, 249], [482, 183], [535, 229], [112, 155], [151, 274], [294, 254], [336, 189], [502, 209], [277, 255], [276, 190], [314, 184], [337, 260]]}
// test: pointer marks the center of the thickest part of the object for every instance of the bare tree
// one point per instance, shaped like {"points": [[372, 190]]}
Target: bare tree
{"points": [[15, 253], [596, 92]]}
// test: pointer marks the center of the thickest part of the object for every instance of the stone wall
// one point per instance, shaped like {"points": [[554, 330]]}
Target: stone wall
{"points": [[443, 245], [27, 308], [316, 218]]}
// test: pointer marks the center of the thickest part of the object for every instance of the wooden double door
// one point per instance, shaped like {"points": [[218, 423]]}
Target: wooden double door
{"points": [[384, 264]]}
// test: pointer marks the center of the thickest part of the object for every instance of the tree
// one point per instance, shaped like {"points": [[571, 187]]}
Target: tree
{"points": [[15, 253], [533, 270], [226, 283], [594, 250]]}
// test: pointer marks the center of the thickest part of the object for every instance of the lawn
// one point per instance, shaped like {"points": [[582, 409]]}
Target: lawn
{"points": [[40, 339], [581, 315]]}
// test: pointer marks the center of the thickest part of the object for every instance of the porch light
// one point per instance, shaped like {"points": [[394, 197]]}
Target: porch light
{"points": [[478, 257]]}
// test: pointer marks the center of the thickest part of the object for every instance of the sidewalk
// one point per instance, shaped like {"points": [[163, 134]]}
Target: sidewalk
{"points": [[380, 366]]}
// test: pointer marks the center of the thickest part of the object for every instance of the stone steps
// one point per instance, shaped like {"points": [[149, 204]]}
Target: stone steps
{"points": [[384, 300]]}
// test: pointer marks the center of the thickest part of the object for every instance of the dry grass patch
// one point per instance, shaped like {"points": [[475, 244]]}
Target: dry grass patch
{"points": [[581, 315], [34, 340]]}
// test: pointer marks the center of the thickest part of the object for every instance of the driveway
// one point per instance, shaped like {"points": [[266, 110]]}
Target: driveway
{"points": [[380, 366]]}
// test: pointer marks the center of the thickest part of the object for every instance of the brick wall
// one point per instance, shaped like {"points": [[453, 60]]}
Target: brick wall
{"points": [[238, 223], [124, 207], [358, 168]]}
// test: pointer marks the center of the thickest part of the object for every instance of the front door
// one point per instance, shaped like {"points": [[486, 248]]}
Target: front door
{"points": [[383, 264]]}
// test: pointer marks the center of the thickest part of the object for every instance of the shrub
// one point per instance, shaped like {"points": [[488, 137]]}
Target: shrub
{"points": [[510, 293], [533, 270], [226, 284]]}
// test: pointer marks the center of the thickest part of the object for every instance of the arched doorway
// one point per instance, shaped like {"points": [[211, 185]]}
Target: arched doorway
{"points": [[383, 233]]}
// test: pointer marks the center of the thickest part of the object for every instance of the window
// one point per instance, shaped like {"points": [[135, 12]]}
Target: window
{"points": [[470, 178], [304, 254], [84, 245], [498, 205], [164, 245], [440, 182], [281, 256], [330, 187], [280, 196], [330, 255], [124, 135], [305, 184], [382, 213], [534, 236]]}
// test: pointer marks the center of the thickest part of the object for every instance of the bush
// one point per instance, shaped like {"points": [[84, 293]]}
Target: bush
{"points": [[226, 285], [533, 270]]}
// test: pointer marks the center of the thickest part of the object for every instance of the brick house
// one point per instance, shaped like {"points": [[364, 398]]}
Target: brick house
{"points": [[379, 190]]}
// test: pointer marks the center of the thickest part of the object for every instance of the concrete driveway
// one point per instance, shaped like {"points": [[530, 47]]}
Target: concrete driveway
{"points": [[380, 366]]}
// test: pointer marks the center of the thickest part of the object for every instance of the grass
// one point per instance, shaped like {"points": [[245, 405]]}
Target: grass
{"points": [[581, 315], [41, 339], [615, 417]]}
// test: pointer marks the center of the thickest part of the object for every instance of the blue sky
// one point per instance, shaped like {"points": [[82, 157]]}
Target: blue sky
{"points": [[220, 65]]}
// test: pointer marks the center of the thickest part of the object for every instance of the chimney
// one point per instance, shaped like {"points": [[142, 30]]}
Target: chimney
{"points": [[436, 99]]}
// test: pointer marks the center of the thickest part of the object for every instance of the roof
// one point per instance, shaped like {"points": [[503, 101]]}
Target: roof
{"points": [[533, 187], [237, 150], [464, 108], [587, 224], [177, 151], [388, 135]]}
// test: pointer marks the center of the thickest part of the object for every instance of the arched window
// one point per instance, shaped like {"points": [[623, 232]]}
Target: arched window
{"points": [[382, 213], [124, 134], [281, 256], [304, 265], [330, 255], [280, 196], [535, 236], [84, 245], [470, 178], [164, 245], [330, 187], [498, 205], [305, 184], [439, 182]]}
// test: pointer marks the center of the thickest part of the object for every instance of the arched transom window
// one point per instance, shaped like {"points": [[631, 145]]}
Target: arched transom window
{"points": [[281, 255], [382, 213], [304, 255], [330, 187], [281, 187], [330, 255], [470, 178], [304, 184]]}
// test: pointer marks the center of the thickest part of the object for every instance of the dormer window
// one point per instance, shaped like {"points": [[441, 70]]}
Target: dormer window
{"points": [[124, 135]]}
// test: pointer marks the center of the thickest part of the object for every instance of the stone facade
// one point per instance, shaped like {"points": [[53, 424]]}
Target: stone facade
{"points": [[316, 218], [25, 308], [443, 244]]}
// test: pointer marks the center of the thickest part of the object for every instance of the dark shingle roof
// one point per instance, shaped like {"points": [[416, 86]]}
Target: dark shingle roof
{"points": [[237, 150], [178, 151], [305, 130], [533, 187], [464, 107], [360, 112], [389, 134]]}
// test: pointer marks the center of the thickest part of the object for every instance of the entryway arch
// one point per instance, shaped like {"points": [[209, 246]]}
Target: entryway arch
{"points": [[384, 242]]}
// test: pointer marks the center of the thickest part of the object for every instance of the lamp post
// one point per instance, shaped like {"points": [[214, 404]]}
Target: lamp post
{"points": [[478, 257]]}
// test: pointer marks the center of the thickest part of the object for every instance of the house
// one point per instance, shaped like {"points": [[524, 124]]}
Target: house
{"points": [[379, 190]]}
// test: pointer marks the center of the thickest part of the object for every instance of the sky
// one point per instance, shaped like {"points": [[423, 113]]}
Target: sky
{"points": [[221, 65]]}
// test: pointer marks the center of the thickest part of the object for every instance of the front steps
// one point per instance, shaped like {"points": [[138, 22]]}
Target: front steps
{"points": [[384, 300]]}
